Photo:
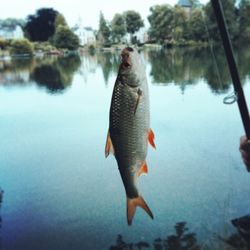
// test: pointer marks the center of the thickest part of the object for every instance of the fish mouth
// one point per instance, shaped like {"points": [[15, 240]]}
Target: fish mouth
{"points": [[126, 60], [126, 64], [125, 57]]}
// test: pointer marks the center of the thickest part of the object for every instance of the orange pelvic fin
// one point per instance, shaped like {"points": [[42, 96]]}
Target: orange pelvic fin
{"points": [[109, 146], [151, 138], [143, 169], [131, 208]]}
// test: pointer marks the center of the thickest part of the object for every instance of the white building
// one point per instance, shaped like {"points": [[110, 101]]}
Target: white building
{"points": [[86, 35], [11, 32], [141, 35]]}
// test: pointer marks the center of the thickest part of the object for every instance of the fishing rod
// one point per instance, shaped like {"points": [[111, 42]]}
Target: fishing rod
{"points": [[232, 65]]}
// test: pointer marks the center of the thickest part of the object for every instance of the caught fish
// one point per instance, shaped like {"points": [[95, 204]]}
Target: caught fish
{"points": [[129, 131]]}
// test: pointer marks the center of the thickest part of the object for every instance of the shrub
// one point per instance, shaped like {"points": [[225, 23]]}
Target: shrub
{"points": [[3, 44], [43, 46], [21, 47]]}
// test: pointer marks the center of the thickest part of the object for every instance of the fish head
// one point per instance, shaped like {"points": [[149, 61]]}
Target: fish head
{"points": [[131, 68]]}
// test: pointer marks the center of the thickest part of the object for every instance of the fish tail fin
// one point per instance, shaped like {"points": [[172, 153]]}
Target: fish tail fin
{"points": [[131, 208]]}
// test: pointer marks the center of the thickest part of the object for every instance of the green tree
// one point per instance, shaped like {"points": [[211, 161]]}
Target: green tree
{"points": [[244, 20], [160, 20], [21, 46], [179, 23], [104, 31], [40, 27], [133, 22], [230, 16], [65, 38], [3, 44], [118, 27], [196, 24], [60, 20]]}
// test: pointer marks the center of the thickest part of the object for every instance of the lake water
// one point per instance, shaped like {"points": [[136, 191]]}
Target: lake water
{"points": [[59, 190]]}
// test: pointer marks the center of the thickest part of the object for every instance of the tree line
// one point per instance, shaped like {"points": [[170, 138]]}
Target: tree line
{"points": [[50, 25], [168, 24], [177, 25], [46, 26]]}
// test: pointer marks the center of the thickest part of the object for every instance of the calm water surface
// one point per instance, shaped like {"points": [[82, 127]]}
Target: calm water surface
{"points": [[59, 190]]}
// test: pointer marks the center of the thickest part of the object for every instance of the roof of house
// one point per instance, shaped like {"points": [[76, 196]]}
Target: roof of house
{"points": [[9, 28], [185, 3], [88, 28]]}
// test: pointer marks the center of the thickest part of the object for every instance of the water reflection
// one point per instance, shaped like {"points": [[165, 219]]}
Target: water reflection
{"points": [[243, 60], [181, 66], [185, 67], [35, 142], [216, 72], [53, 73], [16, 72], [56, 75], [88, 65], [181, 240], [109, 63]]}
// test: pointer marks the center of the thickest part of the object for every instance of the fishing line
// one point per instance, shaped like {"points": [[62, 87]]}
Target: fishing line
{"points": [[212, 49], [231, 98]]}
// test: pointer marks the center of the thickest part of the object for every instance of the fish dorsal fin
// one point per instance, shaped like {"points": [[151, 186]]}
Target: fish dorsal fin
{"points": [[151, 138], [132, 203], [143, 169], [109, 146]]}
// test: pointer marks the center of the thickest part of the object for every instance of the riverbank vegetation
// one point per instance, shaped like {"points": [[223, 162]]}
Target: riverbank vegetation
{"points": [[169, 26]]}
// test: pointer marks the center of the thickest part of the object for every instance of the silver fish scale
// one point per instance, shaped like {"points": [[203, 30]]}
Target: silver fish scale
{"points": [[128, 131]]}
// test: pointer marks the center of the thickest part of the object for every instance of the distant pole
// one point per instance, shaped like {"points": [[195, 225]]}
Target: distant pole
{"points": [[232, 65]]}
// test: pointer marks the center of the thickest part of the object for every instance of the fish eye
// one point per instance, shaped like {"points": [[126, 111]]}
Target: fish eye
{"points": [[130, 49]]}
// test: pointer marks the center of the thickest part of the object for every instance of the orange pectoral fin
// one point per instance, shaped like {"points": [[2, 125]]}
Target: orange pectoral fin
{"points": [[151, 138], [109, 146], [143, 169]]}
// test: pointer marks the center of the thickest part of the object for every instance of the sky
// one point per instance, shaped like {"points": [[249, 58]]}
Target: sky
{"points": [[75, 10]]}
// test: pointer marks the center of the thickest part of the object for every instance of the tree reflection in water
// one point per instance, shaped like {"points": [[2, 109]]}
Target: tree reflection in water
{"points": [[105, 60], [184, 240], [186, 66], [56, 75], [182, 67], [53, 73], [181, 240]]}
